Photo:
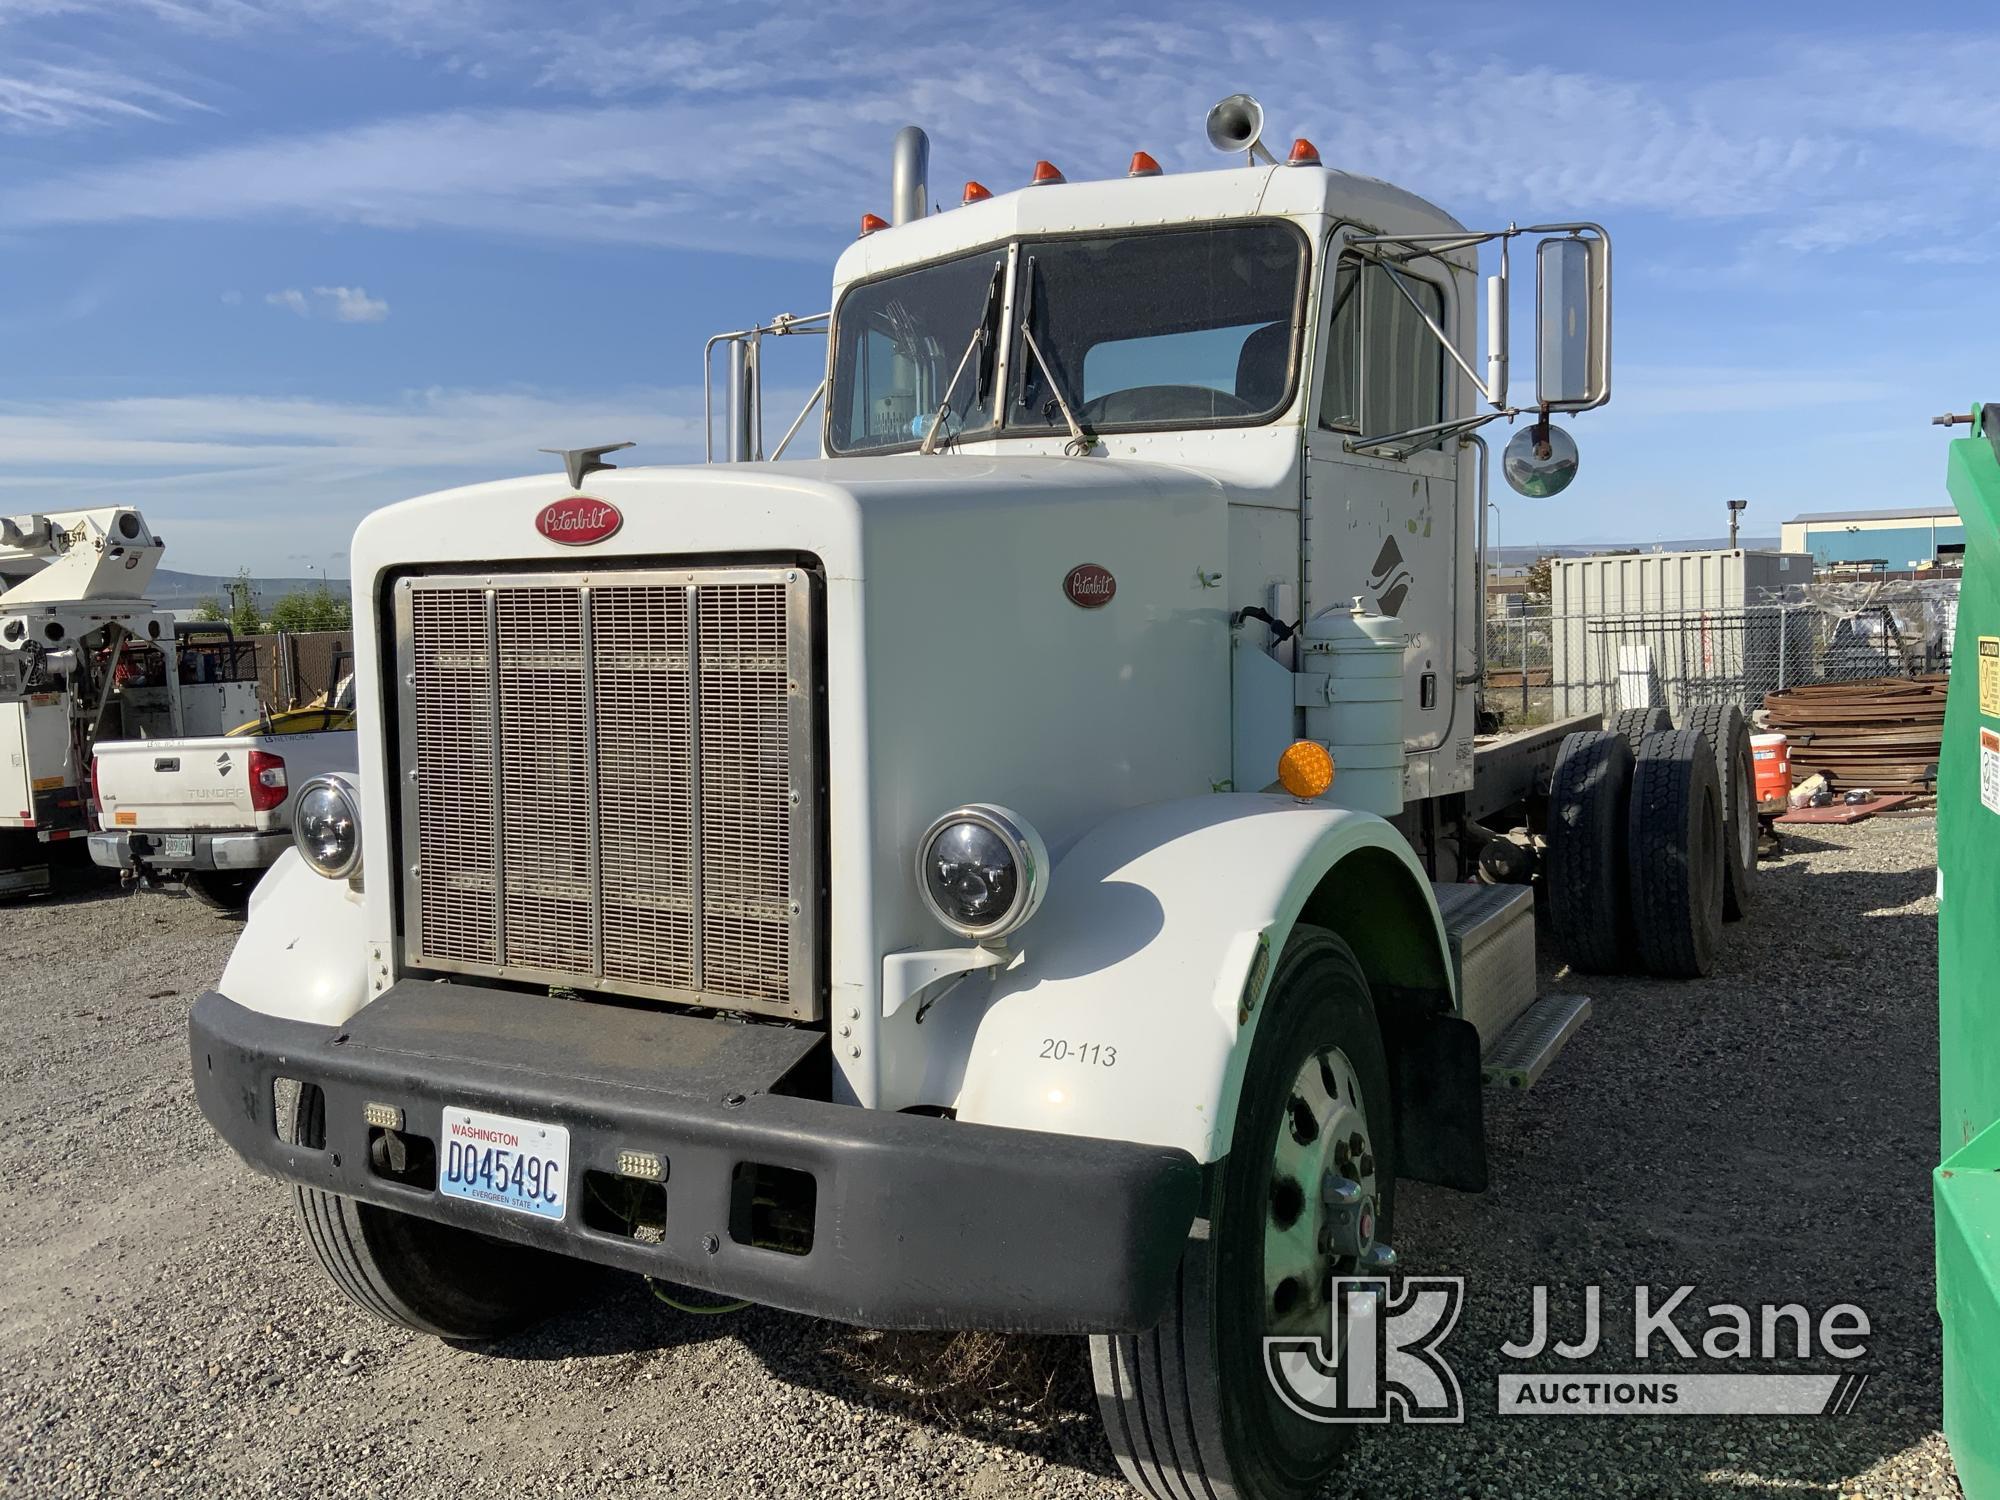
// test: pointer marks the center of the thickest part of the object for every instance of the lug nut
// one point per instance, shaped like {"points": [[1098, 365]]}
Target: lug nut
{"points": [[1356, 1144], [1379, 1257], [1343, 1192], [1367, 1165]]}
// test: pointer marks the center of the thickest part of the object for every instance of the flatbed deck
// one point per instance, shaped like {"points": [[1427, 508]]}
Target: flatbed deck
{"points": [[1509, 768]]}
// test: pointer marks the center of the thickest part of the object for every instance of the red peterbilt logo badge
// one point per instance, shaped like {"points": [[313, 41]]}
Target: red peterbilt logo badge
{"points": [[578, 520], [1089, 587]]}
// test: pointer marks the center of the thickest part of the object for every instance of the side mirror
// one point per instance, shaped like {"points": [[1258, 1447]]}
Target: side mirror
{"points": [[1572, 322]]}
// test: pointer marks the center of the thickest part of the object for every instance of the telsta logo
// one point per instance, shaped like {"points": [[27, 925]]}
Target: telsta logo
{"points": [[1089, 586], [579, 520]]}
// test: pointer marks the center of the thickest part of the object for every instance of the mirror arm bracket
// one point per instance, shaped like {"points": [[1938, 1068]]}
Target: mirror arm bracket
{"points": [[1399, 445]]}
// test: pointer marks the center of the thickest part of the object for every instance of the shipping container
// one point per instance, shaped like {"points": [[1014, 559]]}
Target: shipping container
{"points": [[1679, 629]]}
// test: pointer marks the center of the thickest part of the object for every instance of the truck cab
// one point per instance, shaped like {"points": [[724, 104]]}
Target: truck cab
{"points": [[1002, 872]]}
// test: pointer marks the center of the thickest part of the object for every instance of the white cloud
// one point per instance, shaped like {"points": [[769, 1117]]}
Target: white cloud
{"points": [[351, 304], [231, 480], [344, 304], [43, 97], [763, 127], [686, 144]]}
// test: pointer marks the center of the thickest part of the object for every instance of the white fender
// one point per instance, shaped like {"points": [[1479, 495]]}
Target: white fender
{"points": [[304, 952], [1130, 1011]]}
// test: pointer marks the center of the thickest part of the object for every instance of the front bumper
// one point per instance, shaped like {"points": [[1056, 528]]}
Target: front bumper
{"points": [[207, 851], [917, 1222]]}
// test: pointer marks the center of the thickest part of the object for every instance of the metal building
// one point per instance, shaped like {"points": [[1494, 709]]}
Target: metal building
{"points": [[1900, 540]]}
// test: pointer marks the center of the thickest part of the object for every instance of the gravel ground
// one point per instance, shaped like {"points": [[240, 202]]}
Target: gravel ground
{"points": [[1766, 1136]]}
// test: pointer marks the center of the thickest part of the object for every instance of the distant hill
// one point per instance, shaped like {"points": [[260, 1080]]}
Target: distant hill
{"points": [[171, 590]]}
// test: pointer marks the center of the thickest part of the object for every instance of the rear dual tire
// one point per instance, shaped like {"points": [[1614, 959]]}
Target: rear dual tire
{"points": [[1590, 913], [1633, 724], [1728, 736], [1675, 837], [1640, 850]]}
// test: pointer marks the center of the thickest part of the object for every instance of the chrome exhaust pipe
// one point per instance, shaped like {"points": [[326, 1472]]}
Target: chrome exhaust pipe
{"points": [[909, 177]]}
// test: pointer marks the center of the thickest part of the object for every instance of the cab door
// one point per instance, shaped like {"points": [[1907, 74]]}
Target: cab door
{"points": [[1388, 528]]}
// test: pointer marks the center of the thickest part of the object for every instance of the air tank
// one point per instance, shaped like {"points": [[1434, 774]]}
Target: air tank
{"points": [[1360, 655]]}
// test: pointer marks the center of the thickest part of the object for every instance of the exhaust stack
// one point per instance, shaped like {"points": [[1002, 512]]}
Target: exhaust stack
{"points": [[909, 177]]}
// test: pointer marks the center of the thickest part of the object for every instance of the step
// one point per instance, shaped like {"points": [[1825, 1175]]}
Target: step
{"points": [[1523, 1053], [1491, 929]]}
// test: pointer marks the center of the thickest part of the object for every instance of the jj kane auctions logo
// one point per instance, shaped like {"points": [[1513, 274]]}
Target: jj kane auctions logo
{"points": [[1380, 1359]]}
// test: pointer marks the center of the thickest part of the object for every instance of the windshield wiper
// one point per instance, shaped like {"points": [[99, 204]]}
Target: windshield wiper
{"points": [[1081, 439], [982, 338]]}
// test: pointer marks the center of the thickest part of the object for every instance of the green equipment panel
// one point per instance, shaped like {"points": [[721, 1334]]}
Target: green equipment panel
{"points": [[1966, 1186]]}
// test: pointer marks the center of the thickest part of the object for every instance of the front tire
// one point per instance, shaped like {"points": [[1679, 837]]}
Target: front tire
{"points": [[429, 1277], [1188, 1406]]}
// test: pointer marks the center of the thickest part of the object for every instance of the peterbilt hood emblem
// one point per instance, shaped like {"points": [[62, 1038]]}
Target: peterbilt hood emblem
{"points": [[1089, 586], [578, 520]]}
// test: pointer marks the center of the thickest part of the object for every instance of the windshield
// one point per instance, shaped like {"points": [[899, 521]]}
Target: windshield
{"points": [[1173, 328], [900, 341], [1184, 328]]}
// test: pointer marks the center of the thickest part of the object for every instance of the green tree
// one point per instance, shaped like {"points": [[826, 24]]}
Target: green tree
{"points": [[1540, 582], [210, 608], [243, 616], [316, 608]]}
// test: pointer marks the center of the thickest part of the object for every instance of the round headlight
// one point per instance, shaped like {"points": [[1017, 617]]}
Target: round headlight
{"points": [[982, 870], [326, 826]]}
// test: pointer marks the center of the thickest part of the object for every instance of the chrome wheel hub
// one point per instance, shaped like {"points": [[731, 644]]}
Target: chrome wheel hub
{"points": [[1320, 1221]]}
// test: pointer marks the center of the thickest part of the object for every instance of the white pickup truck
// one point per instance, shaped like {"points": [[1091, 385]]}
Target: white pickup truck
{"points": [[213, 813]]}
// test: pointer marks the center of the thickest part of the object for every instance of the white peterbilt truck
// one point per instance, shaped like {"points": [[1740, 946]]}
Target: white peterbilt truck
{"points": [[1009, 871]]}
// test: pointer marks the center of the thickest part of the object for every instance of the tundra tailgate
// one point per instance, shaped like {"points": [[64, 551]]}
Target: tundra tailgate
{"points": [[177, 784]]}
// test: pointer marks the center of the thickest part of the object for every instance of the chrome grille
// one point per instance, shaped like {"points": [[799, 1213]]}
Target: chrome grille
{"points": [[614, 782]]}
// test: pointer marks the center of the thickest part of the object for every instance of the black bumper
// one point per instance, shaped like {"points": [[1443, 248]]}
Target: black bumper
{"points": [[916, 1222]]}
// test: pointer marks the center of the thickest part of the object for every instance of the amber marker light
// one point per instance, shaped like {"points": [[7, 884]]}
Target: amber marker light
{"points": [[1305, 769]]}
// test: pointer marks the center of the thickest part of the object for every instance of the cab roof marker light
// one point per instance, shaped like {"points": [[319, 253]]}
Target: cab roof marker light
{"points": [[1143, 165], [975, 192], [1047, 173], [1304, 154], [870, 223]]}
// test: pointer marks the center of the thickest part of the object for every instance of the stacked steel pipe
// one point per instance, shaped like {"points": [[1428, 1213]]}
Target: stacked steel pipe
{"points": [[1877, 732]]}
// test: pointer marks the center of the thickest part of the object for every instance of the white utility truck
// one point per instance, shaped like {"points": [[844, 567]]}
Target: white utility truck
{"points": [[213, 814], [1010, 871], [86, 657]]}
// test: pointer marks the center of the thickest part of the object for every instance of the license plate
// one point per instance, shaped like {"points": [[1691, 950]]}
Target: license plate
{"points": [[519, 1165], [176, 846]]}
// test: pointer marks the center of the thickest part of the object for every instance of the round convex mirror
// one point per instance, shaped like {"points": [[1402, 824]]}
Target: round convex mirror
{"points": [[1540, 460]]}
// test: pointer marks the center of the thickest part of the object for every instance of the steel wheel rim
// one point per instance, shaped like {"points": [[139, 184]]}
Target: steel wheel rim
{"points": [[1322, 1133]]}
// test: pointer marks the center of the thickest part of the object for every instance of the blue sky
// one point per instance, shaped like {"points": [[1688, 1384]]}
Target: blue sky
{"points": [[267, 264]]}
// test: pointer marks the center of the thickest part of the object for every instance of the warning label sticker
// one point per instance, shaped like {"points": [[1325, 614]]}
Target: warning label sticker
{"points": [[1989, 675], [1989, 769]]}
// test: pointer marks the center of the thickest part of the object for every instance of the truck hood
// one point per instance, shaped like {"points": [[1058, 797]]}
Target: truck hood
{"points": [[813, 506]]}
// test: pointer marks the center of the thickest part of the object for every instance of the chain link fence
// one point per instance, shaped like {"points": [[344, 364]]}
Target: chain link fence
{"points": [[1542, 666], [295, 668]]}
